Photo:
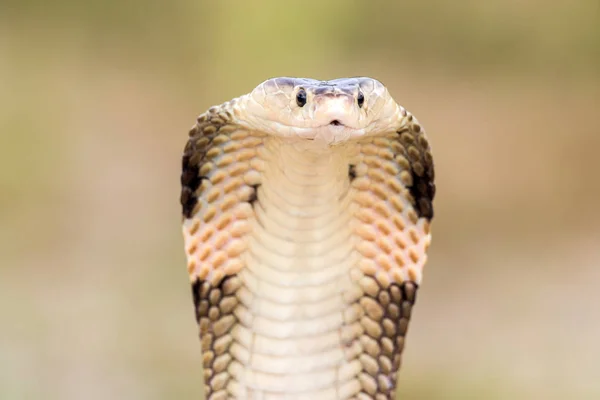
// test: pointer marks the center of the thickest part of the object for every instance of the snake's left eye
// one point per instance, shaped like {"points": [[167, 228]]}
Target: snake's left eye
{"points": [[360, 99], [301, 98]]}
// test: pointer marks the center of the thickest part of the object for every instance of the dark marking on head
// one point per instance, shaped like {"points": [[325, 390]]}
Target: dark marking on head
{"points": [[335, 90], [367, 84], [285, 82], [321, 90], [352, 172]]}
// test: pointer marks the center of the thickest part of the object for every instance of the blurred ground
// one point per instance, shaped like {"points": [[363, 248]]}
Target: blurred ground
{"points": [[95, 102]]}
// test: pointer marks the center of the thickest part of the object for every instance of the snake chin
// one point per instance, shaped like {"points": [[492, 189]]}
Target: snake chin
{"points": [[333, 133]]}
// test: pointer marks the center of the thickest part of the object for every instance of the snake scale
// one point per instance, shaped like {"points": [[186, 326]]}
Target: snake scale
{"points": [[306, 221]]}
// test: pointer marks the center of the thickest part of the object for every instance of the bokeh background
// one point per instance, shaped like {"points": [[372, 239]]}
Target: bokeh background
{"points": [[96, 98]]}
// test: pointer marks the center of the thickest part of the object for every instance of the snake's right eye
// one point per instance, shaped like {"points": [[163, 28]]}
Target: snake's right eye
{"points": [[360, 99], [301, 98]]}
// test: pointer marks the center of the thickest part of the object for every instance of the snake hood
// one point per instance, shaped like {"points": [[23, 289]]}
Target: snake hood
{"points": [[306, 211], [329, 111]]}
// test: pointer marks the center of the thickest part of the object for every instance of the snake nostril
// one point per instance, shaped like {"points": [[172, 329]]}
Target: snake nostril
{"points": [[335, 122]]}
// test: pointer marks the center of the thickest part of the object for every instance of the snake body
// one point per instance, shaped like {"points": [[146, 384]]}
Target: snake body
{"points": [[306, 211]]}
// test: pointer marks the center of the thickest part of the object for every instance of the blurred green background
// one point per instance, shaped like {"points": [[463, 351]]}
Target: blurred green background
{"points": [[96, 99]]}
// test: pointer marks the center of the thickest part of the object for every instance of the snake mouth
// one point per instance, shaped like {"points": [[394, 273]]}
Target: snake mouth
{"points": [[335, 122]]}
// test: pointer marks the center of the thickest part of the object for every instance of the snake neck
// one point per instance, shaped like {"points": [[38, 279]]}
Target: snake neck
{"points": [[305, 259], [297, 271], [314, 174]]}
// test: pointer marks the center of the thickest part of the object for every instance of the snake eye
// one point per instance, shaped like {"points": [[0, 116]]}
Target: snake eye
{"points": [[360, 99], [301, 98]]}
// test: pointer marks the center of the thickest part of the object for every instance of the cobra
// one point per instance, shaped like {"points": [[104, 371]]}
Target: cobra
{"points": [[306, 220]]}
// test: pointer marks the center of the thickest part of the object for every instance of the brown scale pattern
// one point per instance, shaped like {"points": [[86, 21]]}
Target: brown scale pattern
{"points": [[414, 154], [219, 177], [393, 221], [385, 313], [197, 153], [394, 190], [214, 306]]}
